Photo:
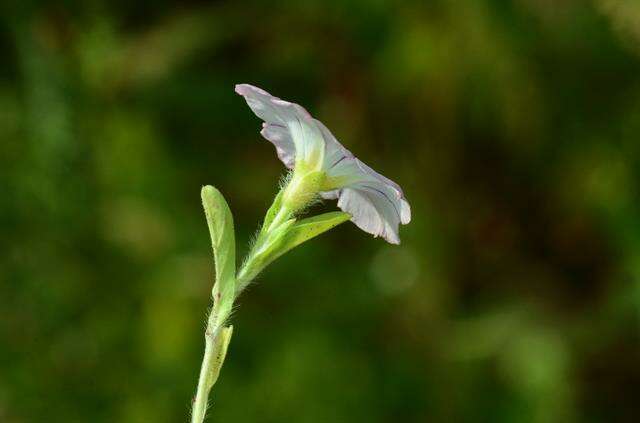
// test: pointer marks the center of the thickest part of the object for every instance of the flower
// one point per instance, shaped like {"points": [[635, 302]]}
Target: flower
{"points": [[321, 165]]}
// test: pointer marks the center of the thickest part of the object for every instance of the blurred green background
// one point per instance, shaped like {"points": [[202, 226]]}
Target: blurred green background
{"points": [[513, 127]]}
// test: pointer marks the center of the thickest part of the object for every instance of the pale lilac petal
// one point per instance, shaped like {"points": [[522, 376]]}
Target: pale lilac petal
{"points": [[340, 162], [335, 152], [376, 204], [281, 138], [371, 213], [406, 216], [287, 125]]}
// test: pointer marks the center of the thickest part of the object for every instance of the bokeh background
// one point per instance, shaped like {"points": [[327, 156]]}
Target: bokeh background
{"points": [[513, 126]]}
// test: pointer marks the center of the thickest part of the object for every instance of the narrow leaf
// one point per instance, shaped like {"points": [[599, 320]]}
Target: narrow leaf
{"points": [[220, 223], [308, 228]]}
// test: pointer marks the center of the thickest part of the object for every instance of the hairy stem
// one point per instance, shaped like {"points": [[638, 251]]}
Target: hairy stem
{"points": [[200, 401], [216, 342], [252, 265]]}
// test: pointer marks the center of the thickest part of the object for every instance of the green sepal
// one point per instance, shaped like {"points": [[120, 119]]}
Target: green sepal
{"points": [[273, 211], [220, 223], [302, 189]]}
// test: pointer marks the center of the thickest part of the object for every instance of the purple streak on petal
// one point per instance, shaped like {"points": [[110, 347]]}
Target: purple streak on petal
{"points": [[381, 178], [369, 214], [334, 151], [382, 193], [337, 162]]}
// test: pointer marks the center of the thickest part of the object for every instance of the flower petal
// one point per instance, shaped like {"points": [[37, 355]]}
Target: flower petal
{"points": [[341, 163], [372, 211], [281, 138], [335, 152], [287, 125], [376, 203], [357, 174]]}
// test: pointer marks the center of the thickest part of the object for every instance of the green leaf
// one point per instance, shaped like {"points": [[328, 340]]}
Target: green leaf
{"points": [[220, 222], [306, 229]]}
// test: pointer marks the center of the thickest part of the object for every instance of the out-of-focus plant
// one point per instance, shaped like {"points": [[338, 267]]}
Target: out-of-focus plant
{"points": [[625, 17], [320, 168]]}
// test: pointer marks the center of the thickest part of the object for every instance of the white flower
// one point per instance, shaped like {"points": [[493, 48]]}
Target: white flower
{"points": [[376, 204]]}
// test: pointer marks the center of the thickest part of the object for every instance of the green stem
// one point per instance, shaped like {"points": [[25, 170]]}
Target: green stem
{"points": [[199, 408], [216, 342], [252, 265]]}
